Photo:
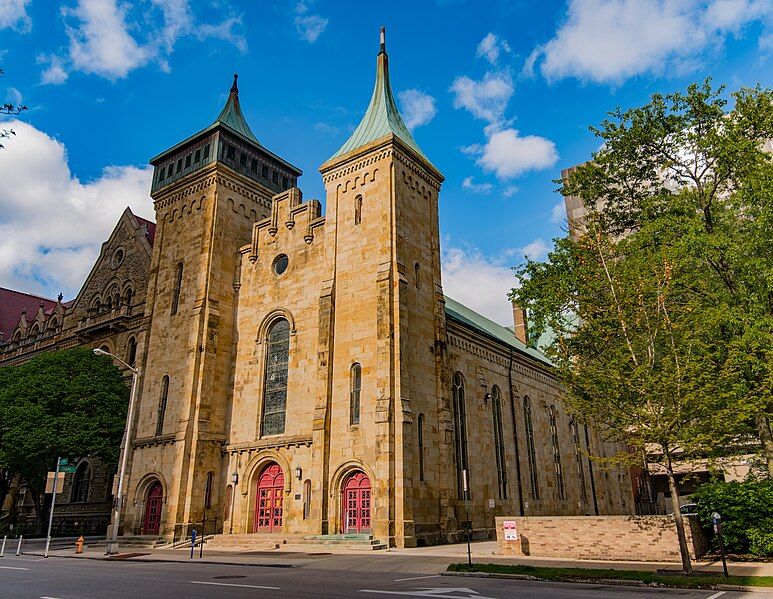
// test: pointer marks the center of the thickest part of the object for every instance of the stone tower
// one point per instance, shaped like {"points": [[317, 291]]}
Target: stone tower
{"points": [[382, 221], [208, 190]]}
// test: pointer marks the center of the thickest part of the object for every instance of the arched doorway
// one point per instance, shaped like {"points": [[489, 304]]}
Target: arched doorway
{"points": [[153, 503], [269, 497], [356, 503]]}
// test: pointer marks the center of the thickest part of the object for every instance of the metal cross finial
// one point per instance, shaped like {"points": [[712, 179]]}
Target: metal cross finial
{"points": [[234, 87], [382, 48]]}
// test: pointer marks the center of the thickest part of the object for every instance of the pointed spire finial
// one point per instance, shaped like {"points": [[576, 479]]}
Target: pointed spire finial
{"points": [[234, 87], [382, 37]]}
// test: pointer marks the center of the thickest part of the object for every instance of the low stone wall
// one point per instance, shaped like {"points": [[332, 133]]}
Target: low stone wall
{"points": [[637, 538]]}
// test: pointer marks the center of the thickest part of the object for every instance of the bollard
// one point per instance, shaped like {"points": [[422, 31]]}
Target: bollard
{"points": [[2, 549], [18, 547]]}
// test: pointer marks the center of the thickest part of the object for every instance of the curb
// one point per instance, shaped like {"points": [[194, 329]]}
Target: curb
{"points": [[606, 581], [167, 561]]}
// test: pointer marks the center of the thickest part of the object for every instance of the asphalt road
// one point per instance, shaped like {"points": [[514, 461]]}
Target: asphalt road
{"points": [[29, 577]]}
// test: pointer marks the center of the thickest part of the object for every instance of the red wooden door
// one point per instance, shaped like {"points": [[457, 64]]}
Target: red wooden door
{"points": [[268, 508], [153, 509], [356, 502]]}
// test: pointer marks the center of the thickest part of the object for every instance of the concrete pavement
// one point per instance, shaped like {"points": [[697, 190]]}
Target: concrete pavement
{"points": [[326, 576]]}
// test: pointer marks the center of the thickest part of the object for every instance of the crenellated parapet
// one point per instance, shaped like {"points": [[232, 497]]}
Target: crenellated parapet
{"points": [[288, 211]]}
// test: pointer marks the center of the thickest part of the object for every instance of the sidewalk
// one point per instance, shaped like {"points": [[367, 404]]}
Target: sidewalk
{"points": [[429, 558]]}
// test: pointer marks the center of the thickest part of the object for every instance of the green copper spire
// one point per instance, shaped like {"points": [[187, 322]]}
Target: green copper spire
{"points": [[382, 116], [232, 116]]}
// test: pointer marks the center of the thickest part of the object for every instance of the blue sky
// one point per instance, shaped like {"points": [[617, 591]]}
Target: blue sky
{"points": [[499, 94]]}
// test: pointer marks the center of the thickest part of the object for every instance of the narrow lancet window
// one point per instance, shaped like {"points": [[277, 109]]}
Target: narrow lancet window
{"points": [[354, 394], [275, 382]]}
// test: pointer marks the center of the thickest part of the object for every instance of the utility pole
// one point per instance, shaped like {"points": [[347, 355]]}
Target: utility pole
{"points": [[53, 503]]}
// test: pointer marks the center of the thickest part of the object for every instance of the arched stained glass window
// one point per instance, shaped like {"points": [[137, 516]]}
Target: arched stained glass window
{"points": [[354, 393], [81, 483], [460, 437], [162, 405], [556, 453], [530, 450], [275, 382], [578, 457], [499, 442], [420, 431]]}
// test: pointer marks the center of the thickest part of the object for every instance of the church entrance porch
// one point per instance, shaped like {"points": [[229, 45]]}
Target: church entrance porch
{"points": [[152, 520], [356, 503], [268, 500]]}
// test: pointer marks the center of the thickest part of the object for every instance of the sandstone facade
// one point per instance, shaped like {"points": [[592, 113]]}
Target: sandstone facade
{"points": [[305, 374]]}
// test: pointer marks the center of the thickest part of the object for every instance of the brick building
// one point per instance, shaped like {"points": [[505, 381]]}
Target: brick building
{"points": [[107, 313]]}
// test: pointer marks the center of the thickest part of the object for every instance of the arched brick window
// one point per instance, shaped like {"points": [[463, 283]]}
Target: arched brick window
{"points": [[131, 351], [358, 210], [178, 283], [578, 457], [275, 380]]}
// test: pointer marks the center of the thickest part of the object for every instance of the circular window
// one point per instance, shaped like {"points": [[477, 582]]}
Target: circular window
{"points": [[117, 259], [280, 264]]}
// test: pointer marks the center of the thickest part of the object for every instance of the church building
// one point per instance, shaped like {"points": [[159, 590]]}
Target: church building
{"points": [[304, 374]]}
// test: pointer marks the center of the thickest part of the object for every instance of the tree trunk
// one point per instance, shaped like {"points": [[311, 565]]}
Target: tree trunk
{"points": [[678, 519], [766, 439]]}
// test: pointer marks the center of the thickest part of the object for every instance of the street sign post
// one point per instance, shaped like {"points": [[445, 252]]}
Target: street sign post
{"points": [[53, 503], [716, 519]]}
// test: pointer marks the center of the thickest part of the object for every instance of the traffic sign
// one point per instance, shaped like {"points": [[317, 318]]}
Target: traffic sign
{"points": [[68, 469], [64, 461]]}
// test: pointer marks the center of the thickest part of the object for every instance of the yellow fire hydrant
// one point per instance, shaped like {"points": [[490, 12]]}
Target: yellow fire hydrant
{"points": [[79, 544]]}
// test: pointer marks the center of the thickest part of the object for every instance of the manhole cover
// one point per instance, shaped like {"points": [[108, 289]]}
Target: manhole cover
{"points": [[228, 577]]}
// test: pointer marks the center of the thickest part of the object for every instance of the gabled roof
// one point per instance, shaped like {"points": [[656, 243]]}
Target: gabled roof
{"points": [[150, 227], [11, 305], [463, 315], [382, 116]]}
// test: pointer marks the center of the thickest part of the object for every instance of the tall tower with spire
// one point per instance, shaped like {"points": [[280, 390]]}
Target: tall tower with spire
{"points": [[382, 219], [208, 190]]}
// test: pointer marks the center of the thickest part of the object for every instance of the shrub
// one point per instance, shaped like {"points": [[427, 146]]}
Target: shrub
{"points": [[761, 540], [744, 507]]}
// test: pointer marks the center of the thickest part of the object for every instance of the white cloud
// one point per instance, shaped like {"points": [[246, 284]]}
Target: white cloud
{"points": [[470, 185], [485, 99], [507, 154], [609, 41], [111, 39], [13, 96], [100, 44], [558, 213], [479, 281], [490, 47], [53, 224], [510, 191], [54, 74], [536, 250], [418, 107], [13, 15], [310, 27]]}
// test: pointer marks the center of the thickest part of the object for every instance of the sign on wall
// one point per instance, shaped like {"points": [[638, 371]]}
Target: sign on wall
{"points": [[511, 531]]}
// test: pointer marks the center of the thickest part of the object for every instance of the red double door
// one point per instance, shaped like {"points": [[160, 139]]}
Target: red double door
{"points": [[356, 504], [270, 494], [153, 503]]}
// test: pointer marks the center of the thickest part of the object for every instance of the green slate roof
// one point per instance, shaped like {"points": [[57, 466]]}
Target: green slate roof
{"points": [[462, 314], [382, 116], [232, 116]]}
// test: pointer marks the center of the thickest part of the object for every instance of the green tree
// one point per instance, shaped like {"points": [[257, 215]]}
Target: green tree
{"points": [[661, 303], [69, 403], [9, 109]]}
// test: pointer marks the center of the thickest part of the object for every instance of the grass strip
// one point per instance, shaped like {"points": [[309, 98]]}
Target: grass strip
{"points": [[698, 581]]}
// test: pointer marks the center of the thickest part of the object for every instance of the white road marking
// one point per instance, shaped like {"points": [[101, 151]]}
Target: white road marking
{"points": [[442, 593], [12, 568], [715, 595], [49, 598], [231, 584], [417, 578]]}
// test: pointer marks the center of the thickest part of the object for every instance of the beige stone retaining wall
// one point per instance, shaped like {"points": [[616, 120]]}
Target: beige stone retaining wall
{"points": [[637, 538]]}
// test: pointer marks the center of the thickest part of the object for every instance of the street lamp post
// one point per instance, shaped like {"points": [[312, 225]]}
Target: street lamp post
{"points": [[112, 545]]}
